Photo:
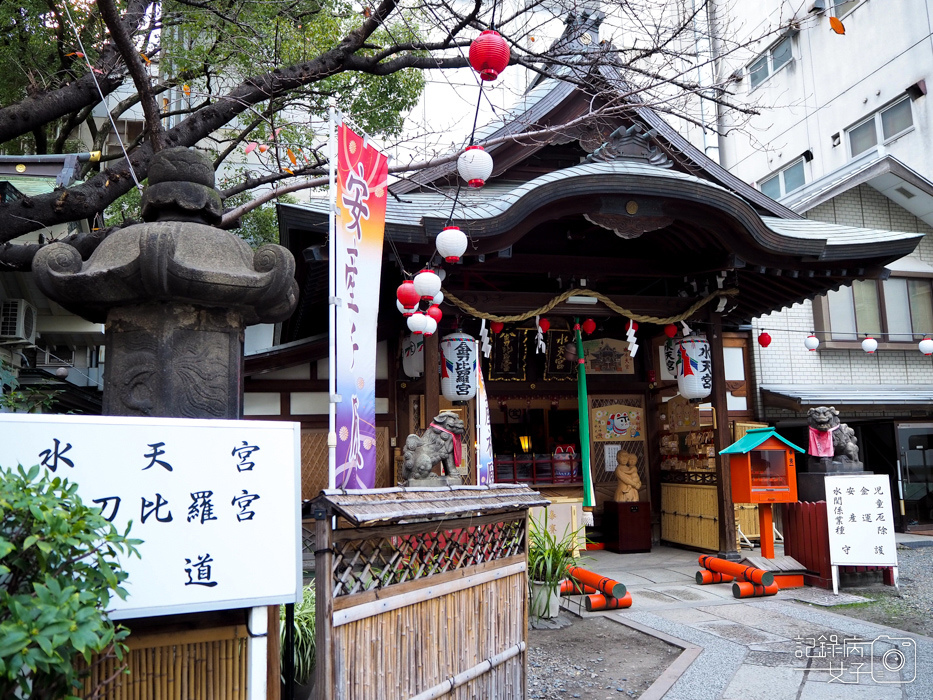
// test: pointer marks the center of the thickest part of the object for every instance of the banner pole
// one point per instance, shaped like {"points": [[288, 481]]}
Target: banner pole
{"points": [[332, 298], [584, 415]]}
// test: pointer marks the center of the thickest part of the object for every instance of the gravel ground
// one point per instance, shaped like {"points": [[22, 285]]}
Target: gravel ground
{"points": [[911, 609], [594, 658]]}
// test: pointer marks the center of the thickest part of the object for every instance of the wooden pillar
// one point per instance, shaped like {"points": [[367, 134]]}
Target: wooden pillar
{"points": [[324, 670], [766, 530], [723, 438], [432, 380]]}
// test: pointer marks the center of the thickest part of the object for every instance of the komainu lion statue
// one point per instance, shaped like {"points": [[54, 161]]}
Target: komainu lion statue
{"points": [[830, 439], [441, 442]]}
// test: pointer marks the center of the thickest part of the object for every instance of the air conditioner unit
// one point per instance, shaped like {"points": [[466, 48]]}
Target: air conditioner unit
{"points": [[17, 322]]}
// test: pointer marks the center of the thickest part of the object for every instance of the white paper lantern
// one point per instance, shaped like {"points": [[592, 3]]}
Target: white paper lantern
{"points": [[475, 166], [926, 346], [430, 325], [413, 356], [427, 284], [869, 345], [451, 243], [811, 342], [694, 368], [458, 366], [438, 299], [417, 322], [405, 310]]}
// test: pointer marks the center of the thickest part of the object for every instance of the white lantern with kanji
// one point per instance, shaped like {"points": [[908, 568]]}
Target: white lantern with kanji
{"points": [[413, 356], [694, 368], [458, 366]]}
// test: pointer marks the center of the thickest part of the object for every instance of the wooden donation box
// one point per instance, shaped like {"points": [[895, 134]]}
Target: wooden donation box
{"points": [[627, 526], [763, 469]]}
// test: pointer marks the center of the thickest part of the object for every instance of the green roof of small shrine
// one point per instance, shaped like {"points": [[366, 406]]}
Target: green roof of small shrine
{"points": [[753, 438]]}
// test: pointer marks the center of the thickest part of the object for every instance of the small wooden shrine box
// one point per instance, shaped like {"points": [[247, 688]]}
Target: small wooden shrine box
{"points": [[763, 468]]}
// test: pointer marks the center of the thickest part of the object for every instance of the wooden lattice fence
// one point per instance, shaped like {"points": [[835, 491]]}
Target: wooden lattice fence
{"points": [[426, 609]]}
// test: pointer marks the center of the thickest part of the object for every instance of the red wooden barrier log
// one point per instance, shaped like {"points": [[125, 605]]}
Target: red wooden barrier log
{"points": [[600, 583], [571, 587], [598, 601], [740, 571], [744, 589], [704, 577]]}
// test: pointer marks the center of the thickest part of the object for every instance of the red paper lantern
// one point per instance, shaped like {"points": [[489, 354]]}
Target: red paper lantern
{"points": [[435, 312], [544, 325], [632, 325], [489, 54], [764, 340], [407, 294], [670, 330], [496, 327], [589, 325]]}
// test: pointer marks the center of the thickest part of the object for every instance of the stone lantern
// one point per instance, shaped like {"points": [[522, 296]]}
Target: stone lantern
{"points": [[176, 294]]}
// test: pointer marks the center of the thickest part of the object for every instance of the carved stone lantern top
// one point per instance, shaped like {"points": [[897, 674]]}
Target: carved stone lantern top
{"points": [[175, 256]]}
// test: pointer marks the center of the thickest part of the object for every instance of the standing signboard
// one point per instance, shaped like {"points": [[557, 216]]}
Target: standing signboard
{"points": [[861, 525], [215, 502], [361, 186]]}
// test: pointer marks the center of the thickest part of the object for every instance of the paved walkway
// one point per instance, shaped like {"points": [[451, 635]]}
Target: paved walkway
{"points": [[789, 646]]}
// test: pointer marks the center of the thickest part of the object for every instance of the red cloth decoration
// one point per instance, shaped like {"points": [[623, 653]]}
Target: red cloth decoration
{"points": [[458, 448], [821, 442]]}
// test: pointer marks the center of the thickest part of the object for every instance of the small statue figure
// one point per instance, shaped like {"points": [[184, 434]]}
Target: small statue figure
{"points": [[441, 442], [832, 444], [627, 476]]}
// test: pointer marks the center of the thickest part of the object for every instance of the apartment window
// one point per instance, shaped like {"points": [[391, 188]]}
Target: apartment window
{"points": [[129, 130], [843, 7], [785, 180], [881, 127], [899, 309], [771, 61]]}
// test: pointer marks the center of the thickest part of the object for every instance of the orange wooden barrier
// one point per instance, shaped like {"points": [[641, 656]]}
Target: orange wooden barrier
{"points": [[604, 585], [571, 587], [598, 601], [704, 577], [740, 571], [744, 589]]}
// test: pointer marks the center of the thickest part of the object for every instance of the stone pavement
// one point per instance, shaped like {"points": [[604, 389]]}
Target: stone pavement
{"points": [[789, 646]]}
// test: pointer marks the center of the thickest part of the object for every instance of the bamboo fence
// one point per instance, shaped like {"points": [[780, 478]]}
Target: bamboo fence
{"points": [[428, 609], [209, 664]]}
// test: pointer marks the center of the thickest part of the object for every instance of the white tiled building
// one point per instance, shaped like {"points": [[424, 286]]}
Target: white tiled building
{"points": [[845, 135]]}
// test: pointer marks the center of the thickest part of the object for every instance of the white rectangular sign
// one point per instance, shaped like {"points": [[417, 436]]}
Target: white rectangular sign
{"points": [[216, 502], [861, 525]]}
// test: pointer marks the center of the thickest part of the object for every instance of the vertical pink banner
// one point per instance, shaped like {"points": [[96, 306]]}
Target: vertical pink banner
{"points": [[362, 179]]}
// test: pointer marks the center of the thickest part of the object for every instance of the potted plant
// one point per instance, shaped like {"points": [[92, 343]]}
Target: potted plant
{"points": [[548, 558], [304, 643]]}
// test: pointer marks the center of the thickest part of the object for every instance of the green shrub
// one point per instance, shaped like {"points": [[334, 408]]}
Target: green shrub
{"points": [[58, 569], [304, 636]]}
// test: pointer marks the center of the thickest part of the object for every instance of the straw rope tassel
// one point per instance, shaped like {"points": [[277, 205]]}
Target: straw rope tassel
{"points": [[583, 409]]}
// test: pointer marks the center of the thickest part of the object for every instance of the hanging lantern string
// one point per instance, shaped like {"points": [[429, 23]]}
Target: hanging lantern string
{"points": [[828, 334], [479, 100], [641, 318]]}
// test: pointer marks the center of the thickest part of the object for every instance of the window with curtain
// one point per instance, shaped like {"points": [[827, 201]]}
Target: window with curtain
{"points": [[898, 309]]}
